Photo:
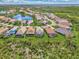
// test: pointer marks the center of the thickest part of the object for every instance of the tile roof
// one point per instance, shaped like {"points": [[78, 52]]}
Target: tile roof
{"points": [[63, 31], [30, 30], [21, 31], [50, 31], [2, 30], [39, 30]]}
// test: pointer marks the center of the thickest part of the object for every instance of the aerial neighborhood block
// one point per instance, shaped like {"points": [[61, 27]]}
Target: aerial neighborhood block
{"points": [[28, 22], [39, 29]]}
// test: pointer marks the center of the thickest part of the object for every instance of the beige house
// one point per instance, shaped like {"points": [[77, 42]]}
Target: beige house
{"points": [[30, 30], [21, 31], [3, 30]]}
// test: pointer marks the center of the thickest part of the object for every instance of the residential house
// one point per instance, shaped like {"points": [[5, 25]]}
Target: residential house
{"points": [[38, 17], [63, 31], [12, 31], [63, 23], [64, 26], [29, 10], [1, 18], [23, 22], [5, 19], [50, 31], [12, 20], [3, 30], [51, 15], [30, 30], [11, 11], [39, 31], [21, 31]]}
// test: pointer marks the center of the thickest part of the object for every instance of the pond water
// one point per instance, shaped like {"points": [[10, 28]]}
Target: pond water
{"points": [[20, 17]]}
